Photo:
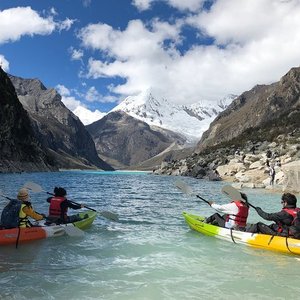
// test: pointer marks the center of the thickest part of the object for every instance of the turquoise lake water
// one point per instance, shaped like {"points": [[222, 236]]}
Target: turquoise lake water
{"points": [[150, 254]]}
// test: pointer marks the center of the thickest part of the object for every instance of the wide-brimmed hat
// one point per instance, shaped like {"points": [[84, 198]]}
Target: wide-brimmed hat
{"points": [[23, 194]]}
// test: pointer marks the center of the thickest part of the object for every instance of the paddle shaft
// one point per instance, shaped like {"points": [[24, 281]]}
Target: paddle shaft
{"points": [[203, 199], [83, 205]]}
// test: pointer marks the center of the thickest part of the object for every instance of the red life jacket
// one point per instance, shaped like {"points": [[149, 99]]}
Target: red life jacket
{"points": [[55, 208], [292, 212], [241, 217]]}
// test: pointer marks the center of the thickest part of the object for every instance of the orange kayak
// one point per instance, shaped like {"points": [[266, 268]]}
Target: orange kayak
{"points": [[23, 235]]}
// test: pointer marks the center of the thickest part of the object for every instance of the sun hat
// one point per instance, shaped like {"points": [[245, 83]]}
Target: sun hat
{"points": [[23, 194]]}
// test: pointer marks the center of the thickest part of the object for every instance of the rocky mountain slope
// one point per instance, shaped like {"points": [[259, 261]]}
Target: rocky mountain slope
{"points": [[125, 141], [264, 118], [56, 128], [256, 108], [19, 149]]}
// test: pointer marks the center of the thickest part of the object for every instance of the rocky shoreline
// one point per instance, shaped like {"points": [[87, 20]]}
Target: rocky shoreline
{"points": [[247, 167]]}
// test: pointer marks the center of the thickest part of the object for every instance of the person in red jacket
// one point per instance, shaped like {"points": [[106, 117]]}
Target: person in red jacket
{"points": [[283, 219], [58, 209]]}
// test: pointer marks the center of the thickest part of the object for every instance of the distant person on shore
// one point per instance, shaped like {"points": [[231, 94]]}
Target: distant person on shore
{"points": [[272, 174], [269, 153], [58, 208], [252, 150], [283, 219], [234, 216]]}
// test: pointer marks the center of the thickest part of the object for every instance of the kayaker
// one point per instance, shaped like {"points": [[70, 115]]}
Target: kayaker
{"points": [[27, 210], [294, 230], [58, 208], [283, 219], [234, 216]]}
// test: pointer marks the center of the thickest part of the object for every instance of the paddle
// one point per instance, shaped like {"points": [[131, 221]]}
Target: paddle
{"points": [[36, 188], [234, 194], [188, 190], [4, 196]]}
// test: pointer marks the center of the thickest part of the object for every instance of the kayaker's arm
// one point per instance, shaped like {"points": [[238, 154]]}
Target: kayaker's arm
{"points": [[275, 217], [229, 208], [32, 214], [72, 205]]}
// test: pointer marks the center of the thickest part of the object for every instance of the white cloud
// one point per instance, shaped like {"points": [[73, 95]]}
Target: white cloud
{"points": [[65, 25], [85, 115], [70, 102], [182, 5], [86, 3], [76, 54], [62, 90], [142, 4], [191, 5], [93, 95], [256, 42], [19, 21], [4, 63]]}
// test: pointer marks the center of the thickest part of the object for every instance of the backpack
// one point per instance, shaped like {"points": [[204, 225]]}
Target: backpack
{"points": [[10, 214]]}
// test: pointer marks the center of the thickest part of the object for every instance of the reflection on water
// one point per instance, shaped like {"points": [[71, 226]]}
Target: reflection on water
{"points": [[150, 254]]}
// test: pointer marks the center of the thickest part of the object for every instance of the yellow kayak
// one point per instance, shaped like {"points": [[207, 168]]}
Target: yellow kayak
{"points": [[256, 240]]}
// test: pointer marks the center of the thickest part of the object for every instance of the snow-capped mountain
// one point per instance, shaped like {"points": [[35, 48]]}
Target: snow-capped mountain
{"points": [[188, 120]]}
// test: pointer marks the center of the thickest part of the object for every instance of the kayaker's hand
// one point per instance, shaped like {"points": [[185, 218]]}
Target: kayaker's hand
{"points": [[211, 202], [82, 205], [44, 216]]}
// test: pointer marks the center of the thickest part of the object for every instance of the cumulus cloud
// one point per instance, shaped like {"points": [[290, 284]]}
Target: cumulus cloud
{"points": [[4, 63], [19, 21], [191, 5], [142, 4], [62, 90], [76, 54], [85, 115], [255, 42], [186, 5]]}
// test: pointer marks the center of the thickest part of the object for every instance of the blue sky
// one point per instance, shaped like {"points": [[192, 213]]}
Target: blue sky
{"points": [[98, 52]]}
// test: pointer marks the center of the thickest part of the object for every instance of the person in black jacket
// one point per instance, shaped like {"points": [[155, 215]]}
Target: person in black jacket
{"points": [[283, 219], [59, 205]]}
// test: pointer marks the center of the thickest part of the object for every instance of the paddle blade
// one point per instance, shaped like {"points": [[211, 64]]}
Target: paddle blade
{"points": [[34, 187], [109, 215], [73, 231], [183, 187], [231, 192]]}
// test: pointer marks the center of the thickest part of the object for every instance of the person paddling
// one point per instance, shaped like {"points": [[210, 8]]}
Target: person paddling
{"points": [[58, 208], [235, 214], [283, 219]]}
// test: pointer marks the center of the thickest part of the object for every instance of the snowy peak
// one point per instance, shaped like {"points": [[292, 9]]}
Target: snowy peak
{"points": [[188, 120]]}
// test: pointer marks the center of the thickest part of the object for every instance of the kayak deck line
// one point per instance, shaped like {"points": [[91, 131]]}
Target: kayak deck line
{"points": [[255, 240]]}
